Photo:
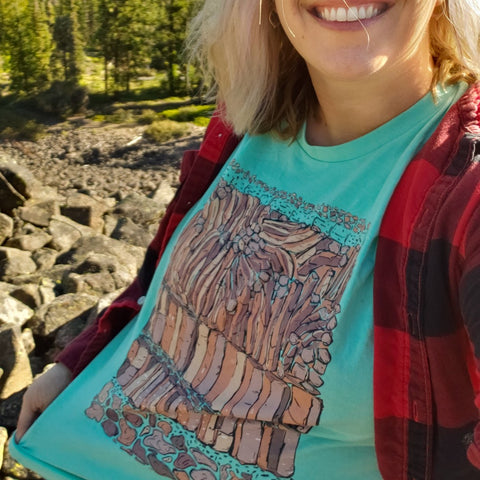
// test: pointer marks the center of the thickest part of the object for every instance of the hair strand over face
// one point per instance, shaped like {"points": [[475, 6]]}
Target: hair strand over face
{"points": [[262, 82]]}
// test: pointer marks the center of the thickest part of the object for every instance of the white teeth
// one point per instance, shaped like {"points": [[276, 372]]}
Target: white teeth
{"points": [[352, 14], [341, 15]]}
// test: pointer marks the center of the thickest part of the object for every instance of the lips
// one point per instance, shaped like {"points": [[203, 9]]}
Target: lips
{"points": [[351, 14]]}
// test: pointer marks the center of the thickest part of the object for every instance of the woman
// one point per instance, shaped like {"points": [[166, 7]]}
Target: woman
{"points": [[315, 314]]}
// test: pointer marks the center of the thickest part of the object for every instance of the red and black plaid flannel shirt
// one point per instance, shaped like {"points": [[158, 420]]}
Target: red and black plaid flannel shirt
{"points": [[426, 299]]}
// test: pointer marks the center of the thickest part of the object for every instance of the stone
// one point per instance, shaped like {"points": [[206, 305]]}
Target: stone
{"points": [[104, 302], [28, 294], [67, 333], [13, 311], [6, 227], [10, 197], [44, 258], [10, 409], [3, 442], [110, 222], [20, 178], [140, 209], [85, 210], [11, 468], [164, 194], [28, 340], [30, 242], [15, 262], [65, 232], [40, 213], [129, 232], [97, 274], [129, 255], [64, 309], [14, 361]]}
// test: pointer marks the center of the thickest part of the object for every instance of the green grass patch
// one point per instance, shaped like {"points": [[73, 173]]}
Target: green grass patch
{"points": [[188, 113], [163, 130]]}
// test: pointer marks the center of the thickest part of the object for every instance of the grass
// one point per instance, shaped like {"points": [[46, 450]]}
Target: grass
{"points": [[163, 130]]}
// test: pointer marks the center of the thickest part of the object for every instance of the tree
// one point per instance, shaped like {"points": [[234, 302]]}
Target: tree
{"points": [[28, 44], [171, 32], [68, 46], [125, 38]]}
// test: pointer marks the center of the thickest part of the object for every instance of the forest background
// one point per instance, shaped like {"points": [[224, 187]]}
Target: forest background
{"points": [[63, 57]]}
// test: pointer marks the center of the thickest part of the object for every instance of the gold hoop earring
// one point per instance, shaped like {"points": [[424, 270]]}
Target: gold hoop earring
{"points": [[260, 12]]}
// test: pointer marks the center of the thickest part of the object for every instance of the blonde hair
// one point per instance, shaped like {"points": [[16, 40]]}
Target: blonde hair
{"points": [[264, 84]]}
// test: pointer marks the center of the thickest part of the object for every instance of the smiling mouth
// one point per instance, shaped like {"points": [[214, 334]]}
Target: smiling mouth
{"points": [[351, 14]]}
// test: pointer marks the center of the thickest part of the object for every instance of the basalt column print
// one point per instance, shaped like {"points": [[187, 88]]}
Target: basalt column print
{"points": [[237, 344]]}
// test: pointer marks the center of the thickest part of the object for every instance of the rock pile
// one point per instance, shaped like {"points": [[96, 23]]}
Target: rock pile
{"points": [[63, 257]]}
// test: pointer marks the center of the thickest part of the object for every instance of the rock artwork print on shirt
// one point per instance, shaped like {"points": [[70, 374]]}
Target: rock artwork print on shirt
{"points": [[227, 373]]}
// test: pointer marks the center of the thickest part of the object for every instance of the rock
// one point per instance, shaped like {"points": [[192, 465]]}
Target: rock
{"points": [[10, 197], [129, 255], [102, 304], [140, 209], [84, 210], [40, 213], [110, 222], [129, 232], [64, 309], [14, 361], [67, 333], [11, 468], [163, 194], [13, 311], [10, 409], [28, 294], [6, 287], [65, 232], [15, 262], [44, 258], [28, 340], [97, 274], [3, 442], [6, 227], [29, 242], [47, 290]]}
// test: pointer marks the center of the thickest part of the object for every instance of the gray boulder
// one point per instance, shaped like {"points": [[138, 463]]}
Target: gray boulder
{"points": [[29, 242], [64, 309], [140, 209], [85, 210], [13, 361], [13, 311], [15, 262], [6, 227], [65, 232], [97, 274], [40, 213], [127, 231]]}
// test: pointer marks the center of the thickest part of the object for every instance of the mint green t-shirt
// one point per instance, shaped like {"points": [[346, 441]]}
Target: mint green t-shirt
{"points": [[252, 357]]}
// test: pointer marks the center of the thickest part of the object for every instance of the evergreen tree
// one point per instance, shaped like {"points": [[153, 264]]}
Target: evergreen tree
{"points": [[126, 39], [28, 44], [68, 46], [171, 32]]}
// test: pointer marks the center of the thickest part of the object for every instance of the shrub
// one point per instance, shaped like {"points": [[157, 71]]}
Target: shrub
{"points": [[147, 117], [163, 130], [188, 114], [63, 98], [201, 121], [18, 126]]}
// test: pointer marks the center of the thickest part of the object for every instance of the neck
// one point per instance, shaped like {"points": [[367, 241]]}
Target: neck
{"points": [[352, 109]]}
